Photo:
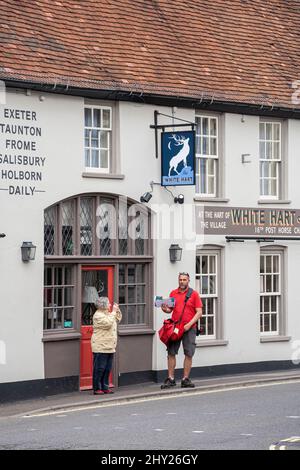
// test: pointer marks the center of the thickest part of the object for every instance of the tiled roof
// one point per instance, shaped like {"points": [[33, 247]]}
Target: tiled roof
{"points": [[231, 50]]}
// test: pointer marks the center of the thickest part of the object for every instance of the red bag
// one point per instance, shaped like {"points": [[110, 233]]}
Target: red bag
{"points": [[171, 331]]}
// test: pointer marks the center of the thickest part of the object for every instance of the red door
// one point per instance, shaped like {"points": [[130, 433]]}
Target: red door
{"points": [[97, 281]]}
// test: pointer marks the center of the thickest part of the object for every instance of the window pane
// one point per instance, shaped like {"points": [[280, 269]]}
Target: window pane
{"points": [[211, 185], [276, 283], [58, 276], [203, 187], [266, 322], [49, 231], [268, 131], [48, 276], [276, 264], [131, 314], [131, 273], [262, 150], [262, 264], [103, 158], [67, 222], [268, 264], [122, 274], [212, 284], [88, 117], [213, 146], [269, 150], [197, 264], [104, 139], [140, 294], [276, 150], [68, 318], [68, 276], [95, 139], [86, 219], [213, 127], [106, 119], [266, 304], [47, 297], [205, 126], [95, 159], [131, 295], [140, 310], [122, 299], [97, 122], [87, 157], [262, 134], [210, 325], [274, 322], [68, 296], [204, 285], [268, 283], [273, 304], [205, 147], [276, 130], [273, 187], [140, 273], [204, 264], [87, 137]]}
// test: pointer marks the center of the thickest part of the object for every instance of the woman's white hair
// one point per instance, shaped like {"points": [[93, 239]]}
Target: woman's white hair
{"points": [[102, 303]]}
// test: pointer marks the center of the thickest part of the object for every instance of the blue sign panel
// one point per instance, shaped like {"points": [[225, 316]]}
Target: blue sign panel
{"points": [[178, 158]]}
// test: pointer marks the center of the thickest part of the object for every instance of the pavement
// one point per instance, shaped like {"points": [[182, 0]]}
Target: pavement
{"points": [[141, 392]]}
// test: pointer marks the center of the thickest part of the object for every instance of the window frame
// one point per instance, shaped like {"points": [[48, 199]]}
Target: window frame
{"points": [[218, 252], [280, 296], [279, 161], [62, 307], [92, 169], [208, 157]]}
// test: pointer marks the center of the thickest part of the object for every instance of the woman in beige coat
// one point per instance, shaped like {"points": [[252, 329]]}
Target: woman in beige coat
{"points": [[104, 342]]}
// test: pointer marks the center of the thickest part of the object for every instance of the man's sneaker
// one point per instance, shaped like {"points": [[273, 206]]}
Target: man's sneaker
{"points": [[168, 383], [187, 383]]}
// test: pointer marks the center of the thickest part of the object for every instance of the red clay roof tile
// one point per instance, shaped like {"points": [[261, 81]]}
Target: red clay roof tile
{"points": [[234, 50]]}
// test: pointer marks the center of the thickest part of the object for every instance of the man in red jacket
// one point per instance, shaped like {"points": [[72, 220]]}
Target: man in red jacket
{"points": [[192, 311]]}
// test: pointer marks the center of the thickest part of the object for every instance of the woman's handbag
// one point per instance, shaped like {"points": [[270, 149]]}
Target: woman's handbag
{"points": [[171, 330]]}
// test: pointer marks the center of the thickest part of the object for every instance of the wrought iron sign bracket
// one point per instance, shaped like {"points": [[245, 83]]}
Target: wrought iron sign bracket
{"points": [[162, 127]]}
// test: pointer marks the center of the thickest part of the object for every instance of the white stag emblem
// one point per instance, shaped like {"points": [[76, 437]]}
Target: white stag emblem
{"points": [[181, 156]]}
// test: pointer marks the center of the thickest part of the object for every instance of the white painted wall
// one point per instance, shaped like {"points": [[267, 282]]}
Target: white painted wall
{"points": [[21, 286]]}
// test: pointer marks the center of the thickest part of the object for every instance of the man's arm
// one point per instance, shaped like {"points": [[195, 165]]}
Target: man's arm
{"points": [[194, 320]]}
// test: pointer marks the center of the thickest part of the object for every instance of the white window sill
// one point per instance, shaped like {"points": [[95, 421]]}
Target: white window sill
{"points": [[210, 199], [274, 339], [273, 201], [111, 176], [210, 342]]}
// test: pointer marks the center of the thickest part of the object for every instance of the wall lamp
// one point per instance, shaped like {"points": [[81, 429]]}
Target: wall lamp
{"points": [[28, 251], [175, 252], [148, 195]]}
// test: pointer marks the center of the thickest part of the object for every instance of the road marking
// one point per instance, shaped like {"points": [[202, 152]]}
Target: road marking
{"points": [[78, 428], [31, 430], [251, 414], [136, 414], [171, 413], [293, 417], [197, 432], [131, 401], [159, 430], [247, 435]]}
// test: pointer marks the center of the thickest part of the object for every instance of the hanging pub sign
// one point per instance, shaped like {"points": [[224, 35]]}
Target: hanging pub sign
{"points": [[178, 158]]}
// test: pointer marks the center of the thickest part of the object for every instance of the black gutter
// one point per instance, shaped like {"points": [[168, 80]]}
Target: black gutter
{"points": [[159, 100]]}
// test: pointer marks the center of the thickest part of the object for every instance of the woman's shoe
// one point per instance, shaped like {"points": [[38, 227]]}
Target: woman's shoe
{"points": [[108, 391], [99, 392]]}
